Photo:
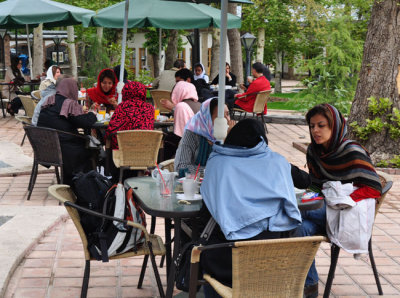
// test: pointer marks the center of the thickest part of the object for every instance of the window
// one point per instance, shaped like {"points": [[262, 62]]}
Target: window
{"points": [[182, 55], [142, 57]]}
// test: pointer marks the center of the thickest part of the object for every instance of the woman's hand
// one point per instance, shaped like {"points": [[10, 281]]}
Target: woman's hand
{"points": [[167, 104], [228, 75], [231, 124], [113, 102]]}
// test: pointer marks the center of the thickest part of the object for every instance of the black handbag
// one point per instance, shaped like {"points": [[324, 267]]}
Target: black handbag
{"points": [[182, 262]]}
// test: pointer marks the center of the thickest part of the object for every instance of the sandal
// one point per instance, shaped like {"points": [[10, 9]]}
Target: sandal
{"points": [[10, 110]]}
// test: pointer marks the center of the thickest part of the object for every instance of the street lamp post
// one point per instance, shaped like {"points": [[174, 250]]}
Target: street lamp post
{"points": [[57, 41], [248, 42]]}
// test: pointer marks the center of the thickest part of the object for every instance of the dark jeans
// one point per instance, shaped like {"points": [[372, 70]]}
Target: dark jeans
{"points": [[314, 223]]}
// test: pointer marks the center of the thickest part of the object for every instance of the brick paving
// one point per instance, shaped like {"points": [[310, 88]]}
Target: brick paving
{"points": [[54, 267]]}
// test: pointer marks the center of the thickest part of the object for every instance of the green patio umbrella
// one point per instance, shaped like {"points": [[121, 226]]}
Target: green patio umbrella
{"points": [[25, 13], [220, 125], [159, 14]]}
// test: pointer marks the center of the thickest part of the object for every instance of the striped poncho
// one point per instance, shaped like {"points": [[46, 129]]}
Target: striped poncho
{"points": [[344, 160]]}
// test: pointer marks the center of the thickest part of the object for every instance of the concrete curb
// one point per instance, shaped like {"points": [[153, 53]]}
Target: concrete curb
{"points": [[21, 233]]}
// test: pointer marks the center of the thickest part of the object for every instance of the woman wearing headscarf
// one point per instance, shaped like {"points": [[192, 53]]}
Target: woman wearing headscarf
{"points": [[104, 92], [266, 208], [198, 138], [15, 76], [47, 88], [132, 113], [63, 112], [185, 99], [200, 73], [333, 157]]}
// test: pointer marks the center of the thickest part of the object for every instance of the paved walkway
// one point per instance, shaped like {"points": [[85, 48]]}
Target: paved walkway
{"points": [[54, 267]]}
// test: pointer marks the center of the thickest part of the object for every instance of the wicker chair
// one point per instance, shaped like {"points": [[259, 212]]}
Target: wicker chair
{"points": [[152, 247], [262, 268], [25, 121], [138, 149], [258, 109], [29, 105], [36, 95], [47, 152], [167, 165], [157, 96], [387, 183]]}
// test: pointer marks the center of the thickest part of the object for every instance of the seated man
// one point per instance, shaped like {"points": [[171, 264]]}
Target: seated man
{"points": [[245, 101], [166, 80]]}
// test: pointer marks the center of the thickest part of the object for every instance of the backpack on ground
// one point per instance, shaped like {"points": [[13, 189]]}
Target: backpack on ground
{"points": [[112, 237]]}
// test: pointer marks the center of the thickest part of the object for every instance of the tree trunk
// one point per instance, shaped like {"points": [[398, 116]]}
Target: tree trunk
{"points": [[156, 65], [204, 50], [378, 75], [235, 48], [37, 51], [172, 49], [215, 52], [278, 71], [71, 52], [99, 34], [260, 45]]}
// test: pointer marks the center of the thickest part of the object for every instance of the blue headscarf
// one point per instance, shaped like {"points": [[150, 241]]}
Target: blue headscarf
{"points": [[201, 123], [250, 190]]}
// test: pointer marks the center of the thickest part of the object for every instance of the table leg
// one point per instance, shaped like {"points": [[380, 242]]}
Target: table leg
{"points": [[168, 243], [172, 270]]}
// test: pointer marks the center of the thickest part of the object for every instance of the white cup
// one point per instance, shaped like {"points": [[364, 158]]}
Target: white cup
{"points": [[189, 188], [100, 117]]}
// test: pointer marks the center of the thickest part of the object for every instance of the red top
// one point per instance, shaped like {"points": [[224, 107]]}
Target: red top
{"points": [[247, 102], [97, 95], [365, 192]]}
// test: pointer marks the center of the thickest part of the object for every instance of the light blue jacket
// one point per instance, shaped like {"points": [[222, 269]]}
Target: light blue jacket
{"points": [[248, 191], [51, 90]]}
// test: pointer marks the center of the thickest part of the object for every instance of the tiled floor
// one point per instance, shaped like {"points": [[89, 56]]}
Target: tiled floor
{"points": [[54, 268]]}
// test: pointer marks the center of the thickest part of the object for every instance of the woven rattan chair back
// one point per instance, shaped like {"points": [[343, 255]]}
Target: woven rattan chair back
{"points": [[45, 144], [168, 165], [157, 95], [36, 94], [152, 246], [387, 183], [260, 102], [29, 105], [272, 268], [138, 148], [63, 193]]}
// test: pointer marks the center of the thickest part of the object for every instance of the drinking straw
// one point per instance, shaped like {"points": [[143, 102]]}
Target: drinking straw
{"points": [[197, 171], [165, 185]]}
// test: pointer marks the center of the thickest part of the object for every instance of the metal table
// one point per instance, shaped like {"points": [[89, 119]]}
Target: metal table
{"points": [[147, 193]]}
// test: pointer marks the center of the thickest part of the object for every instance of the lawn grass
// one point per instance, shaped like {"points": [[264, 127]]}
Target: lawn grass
{"points": [[284, 95], [282, 105]]}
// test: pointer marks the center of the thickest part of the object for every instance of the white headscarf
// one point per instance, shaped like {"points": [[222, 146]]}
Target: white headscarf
{"points": [[202, 75], [49, 74]]}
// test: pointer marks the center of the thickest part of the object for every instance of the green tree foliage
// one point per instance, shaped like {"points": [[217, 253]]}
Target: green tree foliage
{"points": [[334, 72]]}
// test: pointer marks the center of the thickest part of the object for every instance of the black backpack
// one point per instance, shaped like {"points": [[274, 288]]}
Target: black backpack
{"points": [[90, 190]]}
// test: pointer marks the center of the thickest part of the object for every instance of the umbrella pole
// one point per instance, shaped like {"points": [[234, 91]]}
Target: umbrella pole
{"points": [[29, 52], [16, 43], [220, 124], [124, 33]]}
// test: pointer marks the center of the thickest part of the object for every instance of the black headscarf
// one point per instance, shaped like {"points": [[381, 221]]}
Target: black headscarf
{"points": [[246, 133]]}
